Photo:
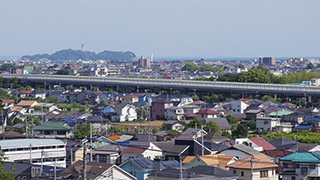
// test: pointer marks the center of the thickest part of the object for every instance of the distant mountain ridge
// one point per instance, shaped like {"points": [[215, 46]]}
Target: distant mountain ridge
{"points": [[70, 54]]}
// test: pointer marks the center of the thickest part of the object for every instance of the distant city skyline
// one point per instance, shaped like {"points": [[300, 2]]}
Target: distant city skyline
{"points": [[196, 29]]}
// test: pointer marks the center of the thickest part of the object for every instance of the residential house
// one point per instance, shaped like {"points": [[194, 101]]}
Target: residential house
{"points": [[240, 151], [238, 107], [257, 143], [301, 165], [193, 133], [23, 170], [124, 112], [129, 99], [38, 94], [7, 103], [158, 109], [53, 129], [175, 125], [176, 99], [254, 114], [255, 167], [24, 150], [217, 160], [99, 123], [267, 124], [174, 112], [283, 143], [215, 138], [27, 103], [222, 122], [195, 173], [164, 135], [276, 154], [191, 109], [141, 149], [171, 151], [141, 168], [207, 113], [294, 118], [109, 154], [95, 171], [195, 147]]}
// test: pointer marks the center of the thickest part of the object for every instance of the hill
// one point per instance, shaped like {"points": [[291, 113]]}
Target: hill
{"points": [[70, 54]]}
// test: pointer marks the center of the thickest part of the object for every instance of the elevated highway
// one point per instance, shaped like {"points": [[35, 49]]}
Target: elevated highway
{"points": [[174, 84]]}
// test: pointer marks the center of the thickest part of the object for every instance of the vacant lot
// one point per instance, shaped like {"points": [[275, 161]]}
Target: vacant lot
{"points": [[153, 124]]}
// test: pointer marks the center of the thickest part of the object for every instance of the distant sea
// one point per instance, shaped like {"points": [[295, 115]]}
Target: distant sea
{"points": [[5, 58], [220, 58]]}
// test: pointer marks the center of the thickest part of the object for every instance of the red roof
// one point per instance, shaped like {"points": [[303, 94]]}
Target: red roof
{"points": [[140, 94], [26, 92], [7, 100], [228, 144], [135, 149], [207, 111], [129, 96], [259, 141], [272, 110], [191, 115], [277, 152]]}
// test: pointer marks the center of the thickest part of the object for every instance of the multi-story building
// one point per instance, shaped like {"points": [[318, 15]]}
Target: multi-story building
{"points": [[48, 152], [301, 165], [270, 61], [144, 62]]}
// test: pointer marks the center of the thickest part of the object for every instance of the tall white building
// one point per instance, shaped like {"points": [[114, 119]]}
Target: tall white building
{"points": [[50, 152]]}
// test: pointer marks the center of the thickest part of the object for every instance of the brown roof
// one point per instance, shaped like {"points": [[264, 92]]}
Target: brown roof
{"points": [[94, 169], [11, 135], [259, 161], [188, 159], [27, 103], [211, 159], [16, 108], [135, 149], [7, 100]]}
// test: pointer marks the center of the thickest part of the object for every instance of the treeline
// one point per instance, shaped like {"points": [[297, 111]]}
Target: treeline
{"points": [[70, 54], [262, 75], [191, 67]]}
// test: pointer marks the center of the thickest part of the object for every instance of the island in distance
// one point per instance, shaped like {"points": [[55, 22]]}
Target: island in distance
{"points": [[70, 54]]}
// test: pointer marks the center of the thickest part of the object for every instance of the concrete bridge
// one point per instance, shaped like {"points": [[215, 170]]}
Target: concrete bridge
{"points": [[296, 90]]}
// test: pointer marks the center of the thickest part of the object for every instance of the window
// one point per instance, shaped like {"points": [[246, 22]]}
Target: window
{"points": [[242, 173], [293, 178], [265, 122], [263, 173], [304, 170], [312, 166]]}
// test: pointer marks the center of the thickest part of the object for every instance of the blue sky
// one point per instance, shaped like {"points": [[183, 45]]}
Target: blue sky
{"points": [[166, 28]]}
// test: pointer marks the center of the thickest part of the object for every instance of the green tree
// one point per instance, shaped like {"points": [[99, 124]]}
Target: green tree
{"points": [[83, 131], [226, 133], [6, 174], [251, 124], [14, 81], [241, 131], [102, 102], [212, 126], [191, 67], [310, 66], [62, 72], [193, 123], [232, 120], [175, 132]]}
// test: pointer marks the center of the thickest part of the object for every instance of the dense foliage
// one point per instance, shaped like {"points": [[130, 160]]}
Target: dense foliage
{"points": [[70, 54], [262, 75], [192, 67]]}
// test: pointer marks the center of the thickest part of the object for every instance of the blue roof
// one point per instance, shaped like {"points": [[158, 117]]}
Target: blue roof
{"points": [[68, 119], [312, 119], [303, 127], [274, 108], [302, 157]]}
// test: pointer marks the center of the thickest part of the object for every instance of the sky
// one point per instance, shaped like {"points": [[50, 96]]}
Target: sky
{"points": [[165, 28]]}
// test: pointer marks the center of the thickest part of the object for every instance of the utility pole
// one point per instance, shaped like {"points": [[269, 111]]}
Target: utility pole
{"points": [[26, 128], [202, 149], [71, 156], [84, 162], [55, 169], [41, 167], [91, 141], [31, 127], [30, 154]]}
